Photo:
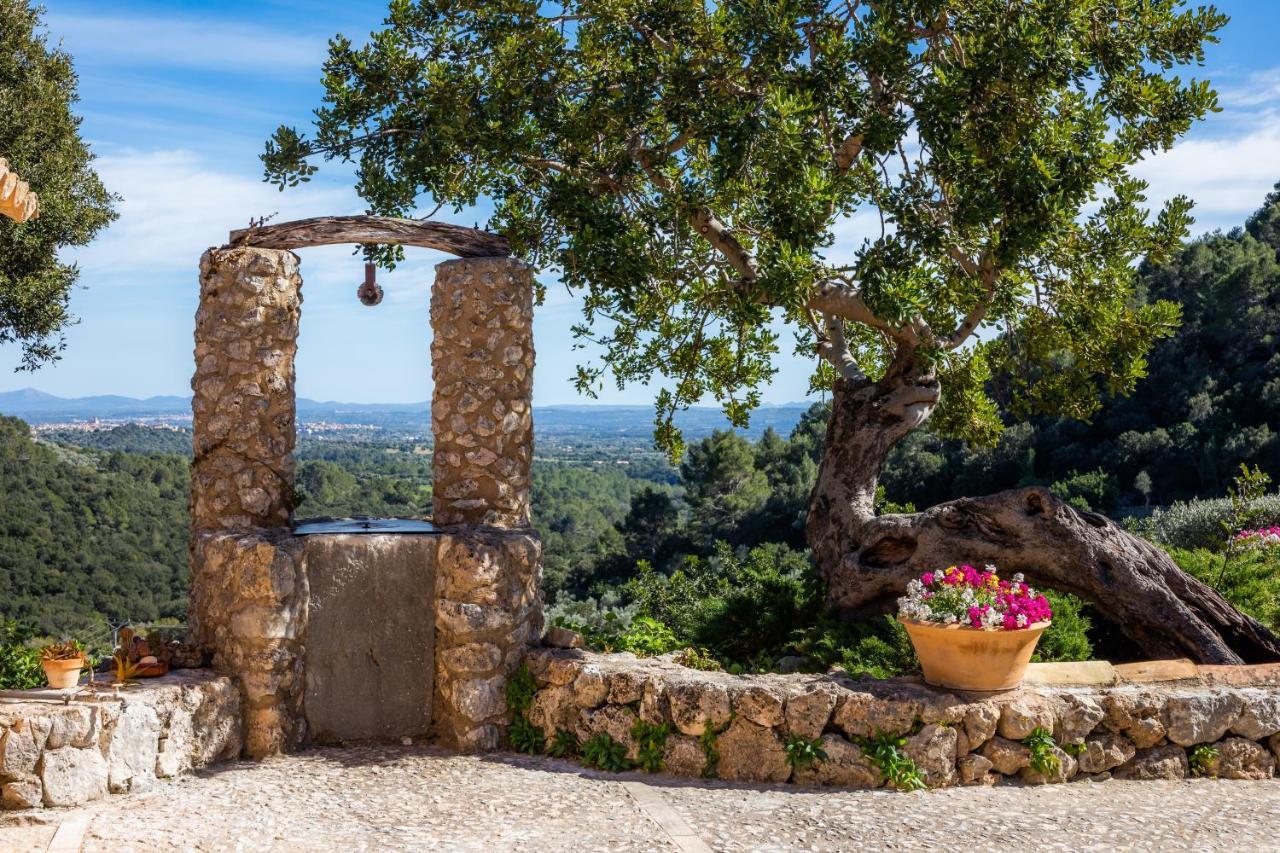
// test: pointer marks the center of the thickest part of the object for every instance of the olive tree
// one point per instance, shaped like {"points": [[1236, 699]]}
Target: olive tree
{"points": [[695, 168], [40, 138]]}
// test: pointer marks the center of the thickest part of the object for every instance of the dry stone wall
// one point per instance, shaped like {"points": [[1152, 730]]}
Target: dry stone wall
{"points": [[1130, 731], [481, 408], [55, 754]]}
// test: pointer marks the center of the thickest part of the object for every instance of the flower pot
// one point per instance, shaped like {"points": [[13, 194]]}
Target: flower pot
{"points": [[63, 674], [964, 658]]}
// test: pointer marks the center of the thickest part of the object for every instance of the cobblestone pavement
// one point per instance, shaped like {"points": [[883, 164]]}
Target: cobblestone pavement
{"points": [[380, 798]]}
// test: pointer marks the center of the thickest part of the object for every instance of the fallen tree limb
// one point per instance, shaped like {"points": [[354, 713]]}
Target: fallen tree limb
{"points": [[1129, 581]]}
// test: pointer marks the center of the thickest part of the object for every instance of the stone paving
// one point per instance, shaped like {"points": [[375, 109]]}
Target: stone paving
{"points": [[416, 798]]}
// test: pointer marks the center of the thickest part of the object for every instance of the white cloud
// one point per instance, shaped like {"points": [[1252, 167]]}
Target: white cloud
{"points": [[175, 205], [1258, 89], [1227, 176], [185, 42]]}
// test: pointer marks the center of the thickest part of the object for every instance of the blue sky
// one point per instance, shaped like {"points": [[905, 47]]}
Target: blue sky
{"points": [[177, 98]]}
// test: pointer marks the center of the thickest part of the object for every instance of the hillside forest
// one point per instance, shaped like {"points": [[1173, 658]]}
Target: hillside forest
{"points": [[708, 556]]}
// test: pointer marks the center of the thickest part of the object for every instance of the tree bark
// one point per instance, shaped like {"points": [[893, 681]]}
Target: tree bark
{"points": [[868, 560], [867, 420]]}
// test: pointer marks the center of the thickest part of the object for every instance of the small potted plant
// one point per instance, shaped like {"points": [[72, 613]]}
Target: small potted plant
{"points": [[62, 663], [972, 630]]}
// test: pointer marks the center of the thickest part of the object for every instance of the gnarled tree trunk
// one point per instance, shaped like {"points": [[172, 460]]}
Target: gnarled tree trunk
{"points": [[868, 560]]}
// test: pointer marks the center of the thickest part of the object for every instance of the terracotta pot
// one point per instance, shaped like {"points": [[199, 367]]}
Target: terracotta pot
{"points": [[964, 658], [63, 674]]}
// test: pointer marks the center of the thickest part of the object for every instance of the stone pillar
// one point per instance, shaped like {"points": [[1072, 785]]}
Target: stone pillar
{"points": [[481, 411], [243, 403], [488, 613], [249, 593]]}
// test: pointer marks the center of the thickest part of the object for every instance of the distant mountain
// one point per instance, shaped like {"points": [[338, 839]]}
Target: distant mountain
{"points": [[29, 401], [562, 421]]}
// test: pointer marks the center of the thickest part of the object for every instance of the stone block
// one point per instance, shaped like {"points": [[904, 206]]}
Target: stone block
{"points": [[933, 749], [696, 704], [72, 776], [1160, 762], [1239, 758], [1200, 717], [845, 766], [808, 711], [751, 753]]}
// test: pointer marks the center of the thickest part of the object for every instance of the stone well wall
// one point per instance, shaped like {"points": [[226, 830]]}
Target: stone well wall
{"points": [[56, 754], [1129, 731], [250, 604]]}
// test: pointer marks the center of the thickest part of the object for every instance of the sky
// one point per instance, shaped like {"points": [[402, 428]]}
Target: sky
{"points": [[178, 97]]}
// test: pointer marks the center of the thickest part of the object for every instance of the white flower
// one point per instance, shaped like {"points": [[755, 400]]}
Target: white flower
{"points": [[1019, 578], [1022, 620]]}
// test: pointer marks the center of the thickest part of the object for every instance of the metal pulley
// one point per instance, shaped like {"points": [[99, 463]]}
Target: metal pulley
{"points": [[369, 293]]}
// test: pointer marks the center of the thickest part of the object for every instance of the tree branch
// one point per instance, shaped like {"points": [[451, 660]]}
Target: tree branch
{"points": [[833, 347], [987, 273]]}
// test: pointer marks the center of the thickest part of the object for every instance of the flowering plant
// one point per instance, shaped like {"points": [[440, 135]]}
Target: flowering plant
{"points": [[963, 595], [1263, 537]]}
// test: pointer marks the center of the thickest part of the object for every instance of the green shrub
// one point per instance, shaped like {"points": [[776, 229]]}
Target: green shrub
{"points": [[1095, 490], [564, 745], [520, 690], [1041, 744], [1199, 524], [602, 752], [1067, 638], [651, 744], [898, 769], [20, 667], [803, 753], [1201, 759], [1251, 582], [647, 637], [525, 736]]}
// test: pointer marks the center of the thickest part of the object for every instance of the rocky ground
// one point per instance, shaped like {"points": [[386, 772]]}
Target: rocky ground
{"points": [[412, 798]]}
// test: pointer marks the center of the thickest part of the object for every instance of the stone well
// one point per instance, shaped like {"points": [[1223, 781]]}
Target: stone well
{"points": [[344, 636]]}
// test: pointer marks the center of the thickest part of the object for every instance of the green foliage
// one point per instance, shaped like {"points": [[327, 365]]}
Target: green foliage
{"points": [[127, 438], [20, 667], [710, 752], [1201, 758], [723, 485], [647, 638], [1247, 488], [651, 744], [803, 753], [1075, 748], [602, 752], [525, 736], [1067, 638], [1191, 525], [1043, 758], [687, 167], [86, 536], [1095, 490], [564, 745], [520, 690], [1252, 585], [40, 137], [898, 769]]}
